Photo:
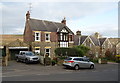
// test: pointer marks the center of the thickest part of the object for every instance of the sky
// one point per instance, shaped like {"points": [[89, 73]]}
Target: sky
{"points": [[88, 17]]}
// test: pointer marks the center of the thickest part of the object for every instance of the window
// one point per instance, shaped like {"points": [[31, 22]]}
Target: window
{"points": [[47, 51], [68, 59], [37, 36], [63, 44], [78, 59], [90, 45], [61, 36], [70, 38], [47, 37], [37, 50]]}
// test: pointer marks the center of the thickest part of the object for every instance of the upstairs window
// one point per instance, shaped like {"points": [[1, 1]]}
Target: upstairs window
{"points": [[63, 37], [47, 37], [70, 38], [37, 36]]}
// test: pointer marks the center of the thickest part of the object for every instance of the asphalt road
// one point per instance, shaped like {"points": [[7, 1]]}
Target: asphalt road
{"points": [[36, 72]]}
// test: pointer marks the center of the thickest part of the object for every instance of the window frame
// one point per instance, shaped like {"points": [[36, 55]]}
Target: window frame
{"points": [[47, 37], [63, 44], [47, 52], [39, 36], [37, 50]]}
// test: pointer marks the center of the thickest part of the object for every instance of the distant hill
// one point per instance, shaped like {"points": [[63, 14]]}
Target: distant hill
{"points": [[5, 39]]}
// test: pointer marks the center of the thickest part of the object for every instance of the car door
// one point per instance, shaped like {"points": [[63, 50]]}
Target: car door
{"points": [[23, 55], [80, 61], [85, 63]]}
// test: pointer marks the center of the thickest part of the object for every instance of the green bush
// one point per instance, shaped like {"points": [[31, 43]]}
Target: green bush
{"points": [[74, 51], [94, 60]]}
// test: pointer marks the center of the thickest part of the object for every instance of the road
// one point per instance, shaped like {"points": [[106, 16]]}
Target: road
{"points": [[36, 72]]}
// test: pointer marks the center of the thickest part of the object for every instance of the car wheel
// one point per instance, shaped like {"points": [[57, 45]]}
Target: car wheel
{"points": [[92, 67], [17, 59], [26, 61], [76, 67]]}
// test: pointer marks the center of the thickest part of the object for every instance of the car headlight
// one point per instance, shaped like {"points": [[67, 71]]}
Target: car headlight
{"points": [[30, 58]]}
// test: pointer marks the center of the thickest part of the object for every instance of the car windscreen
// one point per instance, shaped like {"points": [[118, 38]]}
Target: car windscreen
{"points": [[68, 59], [30, 54]]}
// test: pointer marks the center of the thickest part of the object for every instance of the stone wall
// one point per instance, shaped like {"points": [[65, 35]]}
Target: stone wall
{"points": [[43, 45]]}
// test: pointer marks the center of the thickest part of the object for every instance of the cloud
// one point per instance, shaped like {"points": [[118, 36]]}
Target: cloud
{"points": [[13, 18]]}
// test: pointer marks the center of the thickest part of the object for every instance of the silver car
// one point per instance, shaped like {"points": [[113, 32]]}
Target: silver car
{"points": [[78, 62]]}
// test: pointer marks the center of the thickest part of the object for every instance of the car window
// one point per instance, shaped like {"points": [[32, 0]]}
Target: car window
{"points": [[68, 59], [86, 59], [29, 54], [78, 59]]}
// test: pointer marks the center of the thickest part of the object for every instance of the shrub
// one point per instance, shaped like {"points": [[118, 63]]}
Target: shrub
{"points": [[74, 51]]}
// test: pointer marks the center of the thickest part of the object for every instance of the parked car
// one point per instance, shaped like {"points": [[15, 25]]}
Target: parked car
{"points": [[78, 62], [27, 57]]}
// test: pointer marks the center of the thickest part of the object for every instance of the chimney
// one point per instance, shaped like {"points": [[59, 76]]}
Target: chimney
{"points": [[97, 35], [64, 21], [27, 15], [78, 33]]}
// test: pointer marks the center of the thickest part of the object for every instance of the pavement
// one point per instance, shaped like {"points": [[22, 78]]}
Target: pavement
{"points": [[17, 71]]}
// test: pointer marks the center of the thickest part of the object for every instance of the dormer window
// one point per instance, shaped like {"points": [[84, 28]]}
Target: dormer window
{"points": [[37, 36]]}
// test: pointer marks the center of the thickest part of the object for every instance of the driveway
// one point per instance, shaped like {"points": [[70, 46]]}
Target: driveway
{"points": [[26, 72]]}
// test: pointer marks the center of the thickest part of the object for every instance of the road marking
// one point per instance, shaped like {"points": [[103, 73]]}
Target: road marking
{"points": [[12, 75], [15, 70], [42, 74]]}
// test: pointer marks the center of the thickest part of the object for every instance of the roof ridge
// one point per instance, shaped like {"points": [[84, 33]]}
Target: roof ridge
{"points": [[44, 20]]}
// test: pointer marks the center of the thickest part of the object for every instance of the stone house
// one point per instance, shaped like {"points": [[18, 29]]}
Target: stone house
{"points": [[44, 36], [88, 41], [118, 48], [105, 45], [115, 45]]}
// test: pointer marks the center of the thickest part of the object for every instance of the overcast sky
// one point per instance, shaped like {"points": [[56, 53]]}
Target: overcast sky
{"points": [[88, 17]]}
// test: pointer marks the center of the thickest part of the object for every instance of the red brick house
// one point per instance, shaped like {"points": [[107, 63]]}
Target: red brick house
{"points": [[44, 36]]}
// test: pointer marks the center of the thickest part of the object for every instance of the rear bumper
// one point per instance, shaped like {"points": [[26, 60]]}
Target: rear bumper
{"points": [[68, 66]]}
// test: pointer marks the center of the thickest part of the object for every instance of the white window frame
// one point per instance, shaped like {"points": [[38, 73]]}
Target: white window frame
{"points": [[39, 38], [48, 37], [63, 44], [47, 52], [90, 45], [37, 51], [61, 36]]}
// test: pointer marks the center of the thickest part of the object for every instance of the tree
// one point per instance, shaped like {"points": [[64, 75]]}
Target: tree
{"points": [[82, 50]]}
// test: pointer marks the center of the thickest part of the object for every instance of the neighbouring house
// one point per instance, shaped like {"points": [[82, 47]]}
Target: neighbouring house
{"points": [[44, 36], [118, 48], [105, 45], [89, 41], [115, 45]]}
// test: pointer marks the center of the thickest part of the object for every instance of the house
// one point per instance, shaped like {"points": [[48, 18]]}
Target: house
{"points": [[105, 45], [118, 48], [44, 36], [89, 41], [115, 45]]}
